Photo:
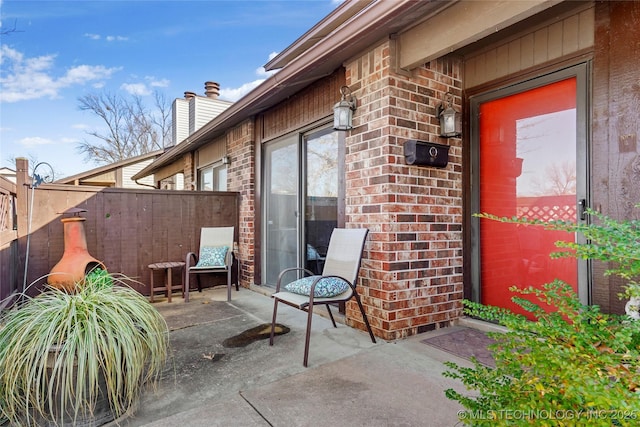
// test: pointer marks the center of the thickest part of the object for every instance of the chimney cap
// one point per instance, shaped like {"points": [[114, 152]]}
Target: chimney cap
{"points": [[73, 211], [211, 89], [189, 95]]}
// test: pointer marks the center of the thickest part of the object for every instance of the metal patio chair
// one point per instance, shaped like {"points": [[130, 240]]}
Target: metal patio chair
{"points": [[215, 256], [336, 284]]}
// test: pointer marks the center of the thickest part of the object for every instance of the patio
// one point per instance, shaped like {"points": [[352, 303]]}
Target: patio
{"points": [[350, 381]]}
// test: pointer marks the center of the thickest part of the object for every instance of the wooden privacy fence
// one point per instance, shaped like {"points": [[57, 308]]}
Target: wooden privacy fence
{"points": [[8, 238], [126, 229]]}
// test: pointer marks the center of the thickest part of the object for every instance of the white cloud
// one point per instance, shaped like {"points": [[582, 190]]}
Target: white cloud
{"points": [[116, 38], [85, 73], [35, 141], [236, 93], [233, 94], [144, 89], [264, 73], [32, 78], [154, 82], [136, 88], [107, 38]]}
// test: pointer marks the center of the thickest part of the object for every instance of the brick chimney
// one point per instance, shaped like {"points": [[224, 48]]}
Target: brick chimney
{"points": [[211, 89]]}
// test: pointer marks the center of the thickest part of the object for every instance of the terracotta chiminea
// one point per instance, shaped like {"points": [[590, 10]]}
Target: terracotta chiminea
{"points": [[76, 261]]}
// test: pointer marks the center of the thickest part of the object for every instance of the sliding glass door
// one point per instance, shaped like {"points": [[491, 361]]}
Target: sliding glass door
{"points": [[321, 196], [281, 226], [303, 200]]}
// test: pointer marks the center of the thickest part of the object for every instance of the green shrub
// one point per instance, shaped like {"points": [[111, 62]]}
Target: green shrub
{"points": [[99, 278], [572, 365], [608, 240], [575, 366]]}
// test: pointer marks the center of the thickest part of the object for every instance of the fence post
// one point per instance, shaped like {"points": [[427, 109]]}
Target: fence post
{"points": [[22, 210], [22, 190]]}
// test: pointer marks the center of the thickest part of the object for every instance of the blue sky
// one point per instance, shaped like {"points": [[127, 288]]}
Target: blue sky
{"points": [[66, 49]]}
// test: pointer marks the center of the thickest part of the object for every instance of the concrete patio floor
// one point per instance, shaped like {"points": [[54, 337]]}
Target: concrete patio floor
{"points": [[349, 382]]}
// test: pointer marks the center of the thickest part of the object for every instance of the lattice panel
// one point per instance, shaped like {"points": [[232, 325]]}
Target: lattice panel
{"points": [[548, 213], [6, 209]]}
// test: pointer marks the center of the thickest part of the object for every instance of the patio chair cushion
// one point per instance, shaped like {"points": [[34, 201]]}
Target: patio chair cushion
{"points": [[312, 253], [326, 288], [212, 256]]}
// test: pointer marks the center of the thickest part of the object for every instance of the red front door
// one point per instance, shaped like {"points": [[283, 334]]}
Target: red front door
{"points": [[527, 161]]}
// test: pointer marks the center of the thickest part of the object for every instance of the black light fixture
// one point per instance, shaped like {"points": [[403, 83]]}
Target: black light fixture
{"points": [[343, 110], [450, 119]]}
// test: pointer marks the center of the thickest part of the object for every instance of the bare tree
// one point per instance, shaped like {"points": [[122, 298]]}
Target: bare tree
{"points": [[131, 130], [51, 173], [558, 179], [13, 29], [162, 119], [322, 167]]}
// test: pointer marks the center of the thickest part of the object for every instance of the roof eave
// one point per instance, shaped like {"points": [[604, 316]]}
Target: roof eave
{"points": [[322, 29], [110, 166], [321, 60]]}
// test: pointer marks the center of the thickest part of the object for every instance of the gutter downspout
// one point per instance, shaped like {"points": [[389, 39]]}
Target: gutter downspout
{"points": [[145, 185]]}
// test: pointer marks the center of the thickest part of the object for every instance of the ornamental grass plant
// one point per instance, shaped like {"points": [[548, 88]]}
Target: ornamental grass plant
{"points": [[572, 365], [62, 353]]}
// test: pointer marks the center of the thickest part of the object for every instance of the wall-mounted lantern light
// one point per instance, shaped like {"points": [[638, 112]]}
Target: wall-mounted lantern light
{"points": [[343, 110], [450, 119]]}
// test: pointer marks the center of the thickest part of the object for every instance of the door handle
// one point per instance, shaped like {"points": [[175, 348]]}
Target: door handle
{"points": [[582, 209]]}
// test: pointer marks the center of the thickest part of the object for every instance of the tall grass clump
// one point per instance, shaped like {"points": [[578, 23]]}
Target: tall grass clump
{"points": [[61, 353]]}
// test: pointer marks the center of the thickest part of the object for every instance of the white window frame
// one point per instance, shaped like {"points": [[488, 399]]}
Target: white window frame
{"points": [[218, 174]]}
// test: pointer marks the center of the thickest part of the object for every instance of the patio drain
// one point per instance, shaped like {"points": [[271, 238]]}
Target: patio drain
{"points": [[260, 332], [214, 357]]}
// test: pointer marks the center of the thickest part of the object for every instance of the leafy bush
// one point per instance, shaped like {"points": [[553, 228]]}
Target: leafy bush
{"points": [[608, 240], [572, 365], [99, 278], [575, 366]]}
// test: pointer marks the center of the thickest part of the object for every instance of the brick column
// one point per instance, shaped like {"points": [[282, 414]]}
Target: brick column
{"points": [[412, 271], [241, 178]]}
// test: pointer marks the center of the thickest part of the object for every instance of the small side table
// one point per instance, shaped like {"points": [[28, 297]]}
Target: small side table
{"points": [[168, 286]]}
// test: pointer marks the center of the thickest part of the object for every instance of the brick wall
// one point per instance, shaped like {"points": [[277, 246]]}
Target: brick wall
{"points": [[412, 271], [241, 177]]}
